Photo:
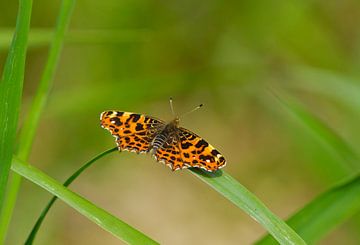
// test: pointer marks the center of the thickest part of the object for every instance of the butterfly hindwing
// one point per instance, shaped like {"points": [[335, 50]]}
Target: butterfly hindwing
{"points": [[133, 132], [170, 155]]}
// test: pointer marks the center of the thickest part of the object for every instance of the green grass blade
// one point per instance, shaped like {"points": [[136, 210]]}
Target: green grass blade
{"points": [[99, 216], [341, 87], [30, 125], [325, 212], [11, 86], [31, 122], [347, 156], [43, 214], [232, 190]]}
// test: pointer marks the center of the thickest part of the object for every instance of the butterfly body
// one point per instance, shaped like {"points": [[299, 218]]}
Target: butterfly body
{"points": [[166, 135], [169, 143]]}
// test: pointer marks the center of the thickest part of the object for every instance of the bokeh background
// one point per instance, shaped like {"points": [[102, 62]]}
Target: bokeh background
{"points": [[236, 57]]}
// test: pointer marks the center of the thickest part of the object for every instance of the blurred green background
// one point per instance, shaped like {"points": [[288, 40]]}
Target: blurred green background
{"points": [[236, 57]]}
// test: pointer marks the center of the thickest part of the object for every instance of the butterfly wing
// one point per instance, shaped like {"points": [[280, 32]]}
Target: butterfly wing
{"points": [[133, 132], [170, 154], [189, 150], [196, 152]]}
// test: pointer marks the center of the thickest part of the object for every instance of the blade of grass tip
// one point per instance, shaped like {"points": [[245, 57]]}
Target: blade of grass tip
{"points": [[334, 142], [11, 86], [42, 216], [325, 212], [99, 216], [232, 190], [31, 122]]}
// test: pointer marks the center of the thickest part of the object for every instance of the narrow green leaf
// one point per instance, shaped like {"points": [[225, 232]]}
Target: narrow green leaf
{"points": [[336, 85], [11, 86], [29, 129], [232, 190], [43, 214], [333, 141], [99, 216], [336, 205], [325, 212], [31, 122]]}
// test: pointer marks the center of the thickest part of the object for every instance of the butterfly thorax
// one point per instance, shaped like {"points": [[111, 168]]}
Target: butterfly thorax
{"points": [[166, 135]]}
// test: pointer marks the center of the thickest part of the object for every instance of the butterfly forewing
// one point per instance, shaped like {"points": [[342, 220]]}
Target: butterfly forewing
{"points": [[133, 132], [196, 152]]}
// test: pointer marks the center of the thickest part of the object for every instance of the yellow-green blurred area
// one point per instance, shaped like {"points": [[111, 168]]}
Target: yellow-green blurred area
{"points": [[235, 57]]}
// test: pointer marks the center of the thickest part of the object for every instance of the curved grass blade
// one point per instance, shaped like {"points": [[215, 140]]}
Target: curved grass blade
{"points": [[232, 190], [335, 85], [11, 85], [348, 157], [99, 216], [43, 214], [31, 122], [325, 212]]}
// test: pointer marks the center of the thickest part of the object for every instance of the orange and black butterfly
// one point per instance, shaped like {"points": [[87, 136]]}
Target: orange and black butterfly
{"points": [[169, 143]]}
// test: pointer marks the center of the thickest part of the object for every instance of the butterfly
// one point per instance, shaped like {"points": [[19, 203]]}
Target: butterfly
{"points": [[169, 143]]}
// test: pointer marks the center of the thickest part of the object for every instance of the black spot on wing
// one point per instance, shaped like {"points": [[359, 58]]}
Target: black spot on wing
{"points": [[214, 152], [201, 143], [116, 121], [185, 145], [139, 127], [190, 136], [147, 119], [135, 117], [206, 157]]}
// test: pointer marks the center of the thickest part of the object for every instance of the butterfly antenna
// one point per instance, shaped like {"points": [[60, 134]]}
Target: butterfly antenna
{"points": [[196, 108], [172, 107]]}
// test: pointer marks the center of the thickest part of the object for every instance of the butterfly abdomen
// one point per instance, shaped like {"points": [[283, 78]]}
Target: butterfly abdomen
{"points": [[159, 141], [164, 136]]}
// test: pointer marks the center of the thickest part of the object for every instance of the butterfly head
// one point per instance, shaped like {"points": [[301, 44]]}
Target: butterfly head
{"points": [[176, 121]]}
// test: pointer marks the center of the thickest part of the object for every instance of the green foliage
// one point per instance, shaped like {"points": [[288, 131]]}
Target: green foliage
{"points": [[244, 199], [99, 216], [325, 212], [11, 86], [31, 123], [43, 214], [348, 158]]}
